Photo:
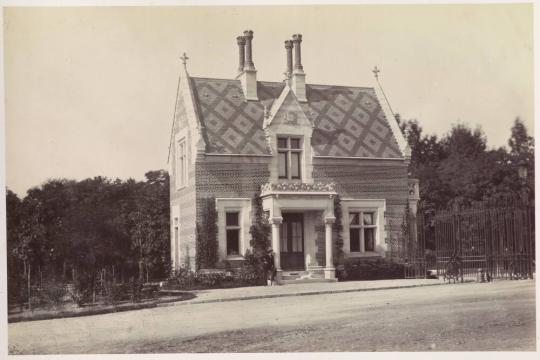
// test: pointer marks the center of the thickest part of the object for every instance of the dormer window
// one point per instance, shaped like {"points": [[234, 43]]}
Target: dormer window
{"points": [[289, 155]]}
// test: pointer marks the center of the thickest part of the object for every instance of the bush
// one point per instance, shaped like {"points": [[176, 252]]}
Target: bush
{"points": [[370, 269], [79, 296], [211, 280], [53, 293]]}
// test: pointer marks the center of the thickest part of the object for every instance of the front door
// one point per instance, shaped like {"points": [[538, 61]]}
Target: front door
{"points": [[292, 241]]}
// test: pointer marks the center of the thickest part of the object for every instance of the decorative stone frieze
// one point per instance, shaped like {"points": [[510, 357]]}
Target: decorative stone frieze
{"points": [[317, 187]]}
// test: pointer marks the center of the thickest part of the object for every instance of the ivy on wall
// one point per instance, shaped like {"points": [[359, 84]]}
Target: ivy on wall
{"points": [[207, 243], [260, 230], [338, 230]]}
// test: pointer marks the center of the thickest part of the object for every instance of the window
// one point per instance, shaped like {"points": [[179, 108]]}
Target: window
{"points": [[232, 229], [181, 164], [362, 230], [289, 154]]}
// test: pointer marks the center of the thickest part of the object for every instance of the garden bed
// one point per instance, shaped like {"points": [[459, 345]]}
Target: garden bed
{"points": [[72, 310]]}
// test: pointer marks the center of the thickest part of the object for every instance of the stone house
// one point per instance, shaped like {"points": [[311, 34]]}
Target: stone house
{"points": [[298, 145]]}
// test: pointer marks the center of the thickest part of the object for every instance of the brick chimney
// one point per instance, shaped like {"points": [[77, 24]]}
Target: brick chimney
{"points": [[241, 53], [298, 80], [288, 49], [248, 75]]}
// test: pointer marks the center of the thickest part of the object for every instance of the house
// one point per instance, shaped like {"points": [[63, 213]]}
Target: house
{"points": [[296, 145]]}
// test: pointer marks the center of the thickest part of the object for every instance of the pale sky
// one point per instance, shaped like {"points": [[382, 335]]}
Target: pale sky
{"points": [[91, 91]]}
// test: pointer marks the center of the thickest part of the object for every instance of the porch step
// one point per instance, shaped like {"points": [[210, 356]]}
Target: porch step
{"points": [[297, 276]]}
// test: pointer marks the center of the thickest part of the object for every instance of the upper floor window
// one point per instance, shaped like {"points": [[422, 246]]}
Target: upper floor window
{"points": [[362, 231], [289, 155], [181, 164]]}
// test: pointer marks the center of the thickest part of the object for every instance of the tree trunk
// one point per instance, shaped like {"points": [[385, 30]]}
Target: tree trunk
{"points": [[141, 271], [29, 303], [146, 265]]}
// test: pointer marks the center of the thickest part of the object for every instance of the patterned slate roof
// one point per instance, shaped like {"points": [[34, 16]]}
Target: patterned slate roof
{"points": [[348, 121]]}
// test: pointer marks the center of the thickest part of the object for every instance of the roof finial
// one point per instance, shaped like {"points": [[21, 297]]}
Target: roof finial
{"points": [[376, 72], [184, 59]]}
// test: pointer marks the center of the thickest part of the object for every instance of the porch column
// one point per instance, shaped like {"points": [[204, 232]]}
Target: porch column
{"points": [[276, 245], [329, 270]]}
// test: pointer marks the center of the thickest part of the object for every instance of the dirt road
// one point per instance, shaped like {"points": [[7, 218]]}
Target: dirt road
{"points": [[494, 316]]}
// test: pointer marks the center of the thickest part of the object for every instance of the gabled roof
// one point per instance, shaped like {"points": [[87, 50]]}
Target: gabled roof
{"points": [[348, 121]]}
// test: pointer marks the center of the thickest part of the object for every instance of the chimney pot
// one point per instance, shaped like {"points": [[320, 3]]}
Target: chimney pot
{"points": [[297, 39], [248, 36], [241, 52], [298, 79], [288, 49]]}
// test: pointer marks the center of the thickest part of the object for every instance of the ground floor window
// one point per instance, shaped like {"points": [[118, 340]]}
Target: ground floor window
{"points": [[232, 227], [362, 230]]}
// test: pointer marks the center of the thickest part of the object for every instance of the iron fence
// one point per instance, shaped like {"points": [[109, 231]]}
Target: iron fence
{"points": [[493, 239]]}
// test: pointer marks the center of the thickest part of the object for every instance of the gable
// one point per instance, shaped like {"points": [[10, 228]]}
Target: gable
{"points": [[287, 111]]}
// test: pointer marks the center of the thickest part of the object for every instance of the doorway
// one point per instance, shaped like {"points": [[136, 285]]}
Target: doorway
{"points": [[292, 241]]}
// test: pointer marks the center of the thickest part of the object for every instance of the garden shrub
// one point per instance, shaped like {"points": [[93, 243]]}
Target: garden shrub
{"points": [[53, 293], [371, 269]]}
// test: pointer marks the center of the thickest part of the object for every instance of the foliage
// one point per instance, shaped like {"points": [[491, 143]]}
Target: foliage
{"points": [[460, 169], [249, 274], [338, 230], [207, 244], [371, 269], [71, 230], [260, 230]]}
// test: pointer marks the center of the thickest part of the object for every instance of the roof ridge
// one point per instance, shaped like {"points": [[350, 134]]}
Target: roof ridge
{"points": [[281, 83]]}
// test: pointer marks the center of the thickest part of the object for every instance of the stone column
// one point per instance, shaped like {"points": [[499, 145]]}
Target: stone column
{"points": [[288, 49], [276, 245], [329, 270], [297, 39], [248, 36], [241, 52]]}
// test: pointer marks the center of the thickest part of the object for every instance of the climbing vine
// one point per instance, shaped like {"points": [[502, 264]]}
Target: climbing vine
{"points": [[338, 230], [207, 244], [260, 229]]}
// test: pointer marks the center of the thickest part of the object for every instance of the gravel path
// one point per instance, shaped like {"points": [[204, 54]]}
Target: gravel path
{"points": [[494, 316]]}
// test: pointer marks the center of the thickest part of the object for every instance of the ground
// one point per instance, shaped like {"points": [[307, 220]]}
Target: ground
{"points": [[464, 317]]}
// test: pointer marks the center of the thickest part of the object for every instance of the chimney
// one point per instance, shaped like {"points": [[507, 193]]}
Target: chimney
{"points": [[298, 81], [241, 52], [288, 49], [248, 76]]}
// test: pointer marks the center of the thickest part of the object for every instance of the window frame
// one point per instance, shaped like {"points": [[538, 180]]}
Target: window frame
{"points": [[289, 151], [361, 227], [237, 228], [181, 163]]}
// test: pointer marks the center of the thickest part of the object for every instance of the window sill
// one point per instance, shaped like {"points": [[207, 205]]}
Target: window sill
{"points": [[234, 257], [365, 254]]}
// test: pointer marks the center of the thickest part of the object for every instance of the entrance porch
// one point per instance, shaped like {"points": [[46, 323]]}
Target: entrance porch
{"points": [[302, 217]]}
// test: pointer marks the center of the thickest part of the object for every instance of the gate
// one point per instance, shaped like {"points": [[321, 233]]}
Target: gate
{"points": [[487, 240]]}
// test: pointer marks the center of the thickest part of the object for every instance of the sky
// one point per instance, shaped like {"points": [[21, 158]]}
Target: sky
{"points": [[91, 90]]}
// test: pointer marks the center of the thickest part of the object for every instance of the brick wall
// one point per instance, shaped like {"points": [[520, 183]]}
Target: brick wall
{"points": [[368, 179], [228, 177], [184, 198]]}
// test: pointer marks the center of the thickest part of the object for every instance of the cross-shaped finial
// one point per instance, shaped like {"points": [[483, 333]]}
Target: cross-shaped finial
{"points": [[184, 58], [376, 72]]}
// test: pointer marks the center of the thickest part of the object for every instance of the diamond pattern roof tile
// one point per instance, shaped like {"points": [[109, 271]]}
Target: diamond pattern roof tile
{"points": [[348, 120]]}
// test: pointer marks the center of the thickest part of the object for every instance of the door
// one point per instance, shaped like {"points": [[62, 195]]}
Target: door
{"points": [[292, 241]]}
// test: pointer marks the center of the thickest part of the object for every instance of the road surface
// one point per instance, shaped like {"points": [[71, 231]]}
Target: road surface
{"points": [[460, 317]]}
